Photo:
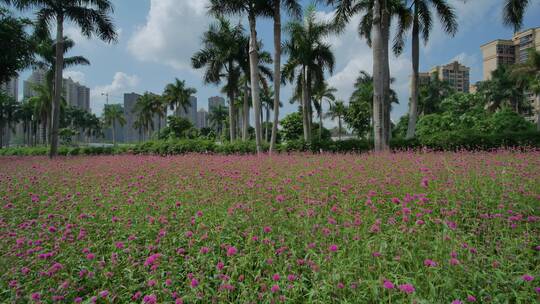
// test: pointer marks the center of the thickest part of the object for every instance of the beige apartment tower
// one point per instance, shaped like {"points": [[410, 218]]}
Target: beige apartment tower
{"points": [[456, 74]]}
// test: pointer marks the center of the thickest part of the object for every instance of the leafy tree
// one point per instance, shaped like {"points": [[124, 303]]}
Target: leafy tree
{"points": [[323, 92], [177, 95], [92, 16], [145, 108], [8, 110], [432, 94], [338, 110], [422, 23], [528, 74], [293, 8], [309, 57], [292, 126], [112, 115], [503, 90], [513, 12], [253, 9], [16, 45], [217, 118], [177, 127]]}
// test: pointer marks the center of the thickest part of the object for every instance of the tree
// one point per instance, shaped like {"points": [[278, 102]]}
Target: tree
{"points": [[513, 12], [432, 94], [113, 114], [177, 95], [42, 106], [375, 27], [504, 90], [292, 126], [145, 109], [92, 16], [253, 9], [323, 92], [309, 58], [217, 117], [337, 110], [8, 109], [177, 127], [528, 73], [221, 44], [422, 23], [294, 8], [16, 45]]}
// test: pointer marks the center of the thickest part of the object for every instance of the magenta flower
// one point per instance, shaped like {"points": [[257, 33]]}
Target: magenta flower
{"points": [[150, 299], [333, 248], [280, 198], [471, 298], [151, 260], [231, 251], [388, 285], [274, 288], [104, 293], [36, 296], [406, 288], [430, 263], [90, 256], [267, 229], [194, 283], [527, 277], [276, 277], [291, 277]]}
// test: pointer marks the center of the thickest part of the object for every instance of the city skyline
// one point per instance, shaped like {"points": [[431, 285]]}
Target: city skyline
{"points": [[157, 24]]}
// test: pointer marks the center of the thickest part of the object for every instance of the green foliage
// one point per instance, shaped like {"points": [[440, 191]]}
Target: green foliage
{"points": [[177, 127], [292, 126], [358, 117], [64, 150], [16, 45]]}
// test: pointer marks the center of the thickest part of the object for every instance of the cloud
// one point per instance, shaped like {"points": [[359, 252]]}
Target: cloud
{"points": [[120, 84], [172, 32], [76, 76]]}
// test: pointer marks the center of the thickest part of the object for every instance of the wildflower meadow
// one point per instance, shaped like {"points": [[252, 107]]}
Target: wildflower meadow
{"points": [[406, 227]]}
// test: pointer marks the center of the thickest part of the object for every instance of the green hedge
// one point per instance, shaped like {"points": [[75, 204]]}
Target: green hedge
{"points": [[444, 141]]}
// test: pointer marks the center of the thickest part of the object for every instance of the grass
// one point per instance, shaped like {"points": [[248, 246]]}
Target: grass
{"points": [[436, 227]]}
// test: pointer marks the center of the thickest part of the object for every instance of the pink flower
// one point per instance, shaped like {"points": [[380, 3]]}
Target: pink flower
{"points": [[454, 261], [119, 245], [276, 277], [231, 251], [152, 259], [388, 285], [194, 283], [90, 256], [267, 229], [376, 254], [104, 293], [36, 296], [456, 302], [471, 298], [274, 288], [280, 198], [527, 277], [291, 277], [78, 300], [430, 263], [204, 250], [333, 248], [168, 282], [220, 265], [151, 283], [150, 299], [340, 285], [406, 288], [424, 182]]}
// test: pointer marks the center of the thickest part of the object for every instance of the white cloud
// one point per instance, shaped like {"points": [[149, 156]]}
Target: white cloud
{"points": [[120, 84], [76, 76], [172, 32]]}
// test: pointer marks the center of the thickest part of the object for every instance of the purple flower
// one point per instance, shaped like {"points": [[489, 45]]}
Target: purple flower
{"points": [[406, 288], [333, 248], [388, 285], [232, 251], [527, 277]]}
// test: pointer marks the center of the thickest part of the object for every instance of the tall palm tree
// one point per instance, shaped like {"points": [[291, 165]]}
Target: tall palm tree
{"points": [[337, 110], [145, 109], [8, 110], [42, 106], [309, 58], [113, 114], [422, 23], [293, 7], [503, 90], [221, 44], [217, 117], [375, 27], [253, 9], [322, 93], [513, 12], [92, 16], [177, 95]]}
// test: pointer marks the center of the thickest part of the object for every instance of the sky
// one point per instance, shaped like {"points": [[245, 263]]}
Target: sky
{"points": [[158, 37]]}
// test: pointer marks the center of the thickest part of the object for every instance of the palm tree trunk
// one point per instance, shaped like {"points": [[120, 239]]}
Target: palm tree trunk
{"points": [[413, 106], [113, 134], [378, 78], [254, 73], [44, 132], [320, 123], [305, 101], [58, 84], [245, 119], [277, 71], [309, 107], [267, 123], [339, 127], [386, 89]]}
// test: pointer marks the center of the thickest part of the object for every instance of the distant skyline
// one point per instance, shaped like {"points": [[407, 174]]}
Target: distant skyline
{"points": [[158, 37]]}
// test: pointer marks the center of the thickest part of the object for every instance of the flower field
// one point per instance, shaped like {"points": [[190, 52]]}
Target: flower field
{"points": [[372, 228]]}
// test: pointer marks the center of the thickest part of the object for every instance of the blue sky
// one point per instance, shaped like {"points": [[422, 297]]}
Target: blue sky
{"points": [[158, 37]]}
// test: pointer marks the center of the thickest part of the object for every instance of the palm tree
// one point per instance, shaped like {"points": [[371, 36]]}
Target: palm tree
{"points": [[8, 110], [422, 23], [432, 94], [145, 109], [337, 110], [323, 93], [309, 57], [293, 8], [529, 74], [253, 9], [159, 106], [42, 104], [217, 117], [504, 90], [113, 114], [218, 55], [375, 27], [513, 12], [177, 95], [92, 16]]}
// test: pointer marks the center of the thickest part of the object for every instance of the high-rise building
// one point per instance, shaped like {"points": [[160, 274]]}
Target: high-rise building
{"points": [[38, 76], [11, 87], [215, 101], [131, 134], [510, 51], [191, 112], [76, 95], [456, 74], [202, 118]]}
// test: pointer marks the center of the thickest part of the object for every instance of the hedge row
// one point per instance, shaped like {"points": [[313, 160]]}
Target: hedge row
{"points": [[444, 141]]}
